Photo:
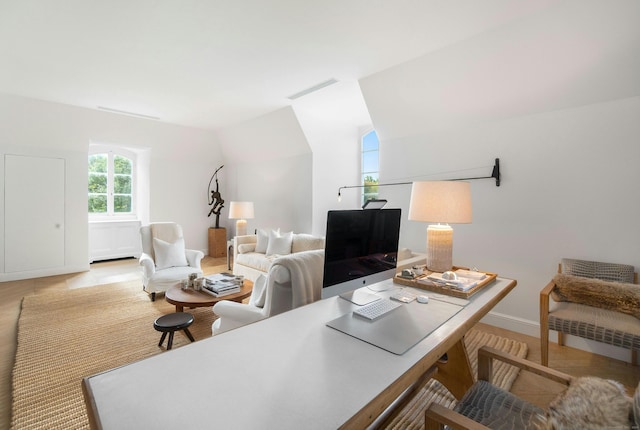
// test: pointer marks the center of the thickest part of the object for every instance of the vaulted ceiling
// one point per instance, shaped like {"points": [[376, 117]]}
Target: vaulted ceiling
{"points": [[215, 63]]}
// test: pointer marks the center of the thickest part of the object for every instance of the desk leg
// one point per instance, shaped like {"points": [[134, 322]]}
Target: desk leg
{"points": [[456, 373]]}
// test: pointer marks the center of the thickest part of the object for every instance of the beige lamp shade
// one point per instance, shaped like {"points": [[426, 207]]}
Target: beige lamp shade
{"points": [[440, 202], [241, 211]]}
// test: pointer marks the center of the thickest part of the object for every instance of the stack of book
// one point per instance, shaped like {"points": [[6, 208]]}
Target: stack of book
{"points": [[222, 284]]}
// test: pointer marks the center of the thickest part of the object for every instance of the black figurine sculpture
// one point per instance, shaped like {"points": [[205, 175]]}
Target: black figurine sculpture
{"points": [[216, 199]]}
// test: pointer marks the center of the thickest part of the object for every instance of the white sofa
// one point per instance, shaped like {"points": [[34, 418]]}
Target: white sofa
{"points": [[254, 254], [293, 280]]}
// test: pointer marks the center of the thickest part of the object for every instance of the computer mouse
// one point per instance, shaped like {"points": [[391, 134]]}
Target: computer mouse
{"points": [[422, 299]]}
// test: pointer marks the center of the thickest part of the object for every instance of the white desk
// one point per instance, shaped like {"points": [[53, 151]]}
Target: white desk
{"points": [[290, 371]]}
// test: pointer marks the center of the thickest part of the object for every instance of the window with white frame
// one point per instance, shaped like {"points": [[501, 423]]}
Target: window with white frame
{"points": [[111, 185], [370, 165]]}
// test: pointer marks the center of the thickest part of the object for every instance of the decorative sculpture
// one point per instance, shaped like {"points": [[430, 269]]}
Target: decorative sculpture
{"points": [[216, 199]]}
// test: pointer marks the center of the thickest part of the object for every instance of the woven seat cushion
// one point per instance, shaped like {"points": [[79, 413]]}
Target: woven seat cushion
{"points": [[603, 325], [497, 408]]}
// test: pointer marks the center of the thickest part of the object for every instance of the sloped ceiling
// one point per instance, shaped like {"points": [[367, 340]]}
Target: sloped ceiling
{"points": [[216, 63]]}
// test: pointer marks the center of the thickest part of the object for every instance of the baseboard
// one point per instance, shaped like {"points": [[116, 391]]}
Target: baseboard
{"points": [[17, 276], [532, 328]]}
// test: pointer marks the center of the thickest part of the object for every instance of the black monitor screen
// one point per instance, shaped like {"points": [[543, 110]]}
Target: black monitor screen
{"points": [[360, 243]]}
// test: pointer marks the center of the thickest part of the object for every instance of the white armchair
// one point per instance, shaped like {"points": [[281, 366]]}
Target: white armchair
{"points": [[164, 260], [293, 280]]}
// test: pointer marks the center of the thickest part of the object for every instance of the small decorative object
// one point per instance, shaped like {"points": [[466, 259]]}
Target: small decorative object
{"points": [[185, 284], [198, 283], [215, 201], [418, 270]]}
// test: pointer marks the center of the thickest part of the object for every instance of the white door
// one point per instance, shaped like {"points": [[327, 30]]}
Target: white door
{"points": [[34, 213]]}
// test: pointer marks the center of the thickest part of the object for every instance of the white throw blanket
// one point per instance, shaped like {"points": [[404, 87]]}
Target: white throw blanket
{"points": [[306, 269]]}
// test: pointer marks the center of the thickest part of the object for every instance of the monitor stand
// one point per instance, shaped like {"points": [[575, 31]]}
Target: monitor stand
{"points": [[360, 297]]}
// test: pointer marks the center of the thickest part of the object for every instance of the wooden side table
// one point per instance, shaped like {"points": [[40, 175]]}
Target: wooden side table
{"points": [[217, 242]]}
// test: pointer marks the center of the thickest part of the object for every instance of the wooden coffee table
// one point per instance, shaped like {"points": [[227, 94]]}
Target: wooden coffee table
{"points": [[191, 298]]}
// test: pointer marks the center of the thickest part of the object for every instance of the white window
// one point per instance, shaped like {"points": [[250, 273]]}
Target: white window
{"points": [[111, 185], [370, 165]]}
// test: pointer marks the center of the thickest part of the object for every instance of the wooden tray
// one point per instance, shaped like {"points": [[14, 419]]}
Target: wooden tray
{"points": [[445, 290]]}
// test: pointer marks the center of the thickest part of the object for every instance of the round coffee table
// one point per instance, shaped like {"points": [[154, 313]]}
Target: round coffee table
{"points": [[191, 298]]}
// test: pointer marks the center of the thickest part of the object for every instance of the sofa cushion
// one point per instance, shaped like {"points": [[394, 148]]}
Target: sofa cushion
{"points": [[169, 254], [262, 241], [616, 296], [279, 244], [255, 260], [306, 242]]}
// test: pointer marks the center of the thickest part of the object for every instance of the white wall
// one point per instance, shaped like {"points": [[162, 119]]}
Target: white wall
{"points": [[180, 162], [269, 162], [555, 97]]}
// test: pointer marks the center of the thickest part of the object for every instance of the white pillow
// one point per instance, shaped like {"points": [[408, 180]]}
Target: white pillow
{"points": [[243, 248], [279, 244], [262, 242], [169, 254], [259, 293]]}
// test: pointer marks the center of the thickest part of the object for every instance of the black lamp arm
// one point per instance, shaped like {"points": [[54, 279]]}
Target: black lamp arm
{"points": [[495, 174]]}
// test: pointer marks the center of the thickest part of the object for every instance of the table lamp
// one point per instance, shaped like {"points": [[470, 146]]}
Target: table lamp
{"points": [[440, 202], [241, 211]]}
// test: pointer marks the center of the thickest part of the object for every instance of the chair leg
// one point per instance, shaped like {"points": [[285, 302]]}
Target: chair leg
{"points": [[634, 357], [164, 335], [560, 338], [544, 346], [188, 333]]}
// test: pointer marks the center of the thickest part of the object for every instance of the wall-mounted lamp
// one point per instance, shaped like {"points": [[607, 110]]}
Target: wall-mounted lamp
{"points": [[495, 174], [440, 202], [241, 211]]}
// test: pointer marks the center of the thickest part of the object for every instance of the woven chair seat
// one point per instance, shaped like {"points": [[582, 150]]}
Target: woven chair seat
{"points": [[497, 408], [606, 326]]}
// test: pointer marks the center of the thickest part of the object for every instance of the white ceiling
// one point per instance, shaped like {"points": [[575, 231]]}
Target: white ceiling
{"points": [[215, 63]]}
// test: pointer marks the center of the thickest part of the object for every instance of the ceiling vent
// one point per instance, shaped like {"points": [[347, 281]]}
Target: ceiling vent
{"points": [[313, 88]]}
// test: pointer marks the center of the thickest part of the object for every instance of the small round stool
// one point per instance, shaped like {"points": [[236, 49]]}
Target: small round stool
{"points": [[171, 323]]}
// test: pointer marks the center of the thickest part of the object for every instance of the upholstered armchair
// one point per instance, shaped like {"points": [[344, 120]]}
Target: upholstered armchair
{"points": [[593, 300], [588, 402], [293, 280], [165, 261]]}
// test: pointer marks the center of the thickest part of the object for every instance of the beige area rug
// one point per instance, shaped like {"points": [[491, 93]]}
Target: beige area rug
{"points": [[412, 416], [67, 335]]}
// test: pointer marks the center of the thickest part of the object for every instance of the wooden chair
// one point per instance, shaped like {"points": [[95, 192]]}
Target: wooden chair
{"points": [[589, 322], [487, 406]]}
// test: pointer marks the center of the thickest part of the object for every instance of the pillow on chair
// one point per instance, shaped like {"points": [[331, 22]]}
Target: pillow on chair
{"points": [[615, 296], [590, 403], [169, 254]]}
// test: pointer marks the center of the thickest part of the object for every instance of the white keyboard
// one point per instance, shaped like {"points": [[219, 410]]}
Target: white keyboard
{"points": [[375, 310]]}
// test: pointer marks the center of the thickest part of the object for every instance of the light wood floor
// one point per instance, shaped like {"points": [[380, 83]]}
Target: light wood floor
{"points": [[569, 360]]}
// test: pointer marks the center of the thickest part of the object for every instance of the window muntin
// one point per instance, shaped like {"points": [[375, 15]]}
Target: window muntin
{"points": [[370, 165]]}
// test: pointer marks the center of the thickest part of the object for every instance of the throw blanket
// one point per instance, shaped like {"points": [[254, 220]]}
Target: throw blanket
{"points": [[615, 296], [306, 269]]}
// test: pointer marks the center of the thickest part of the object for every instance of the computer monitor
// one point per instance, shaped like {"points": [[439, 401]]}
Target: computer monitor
{"points": [[361, 248]]}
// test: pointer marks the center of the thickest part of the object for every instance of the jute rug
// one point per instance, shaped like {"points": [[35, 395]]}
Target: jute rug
{"points": [[67, 335]]}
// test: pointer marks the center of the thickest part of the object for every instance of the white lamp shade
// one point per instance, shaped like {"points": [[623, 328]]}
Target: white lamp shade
{"points": [[241, 210], [441, 201]]}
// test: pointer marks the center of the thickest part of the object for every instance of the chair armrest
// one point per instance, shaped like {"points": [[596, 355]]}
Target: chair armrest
{"points": [[249, 238], [148, 265], [194, 257], [486, 355], [437, 414], [238, 311]]}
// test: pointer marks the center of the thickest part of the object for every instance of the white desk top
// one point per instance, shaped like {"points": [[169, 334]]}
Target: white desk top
{"points": [[290, 371]]}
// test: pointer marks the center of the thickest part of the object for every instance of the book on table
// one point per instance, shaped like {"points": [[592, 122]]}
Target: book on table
{"points": [[222, 284]]}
